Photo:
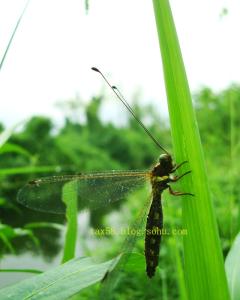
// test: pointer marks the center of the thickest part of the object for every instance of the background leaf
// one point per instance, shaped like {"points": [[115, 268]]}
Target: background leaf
{"points": [[59, 283], [232, 266]]}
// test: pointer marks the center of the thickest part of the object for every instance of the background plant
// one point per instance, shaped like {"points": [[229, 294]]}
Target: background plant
{"points": [[73, 148]]}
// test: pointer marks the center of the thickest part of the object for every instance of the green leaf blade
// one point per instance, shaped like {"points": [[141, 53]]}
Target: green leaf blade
{"points": [[204, 268]]}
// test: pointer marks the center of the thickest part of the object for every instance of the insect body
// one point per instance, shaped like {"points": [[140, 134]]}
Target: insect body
{"points": [[97, 189], [161, 177]]}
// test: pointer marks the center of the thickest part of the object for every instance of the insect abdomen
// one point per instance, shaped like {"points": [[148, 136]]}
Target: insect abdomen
{"points": [[153, 234]]}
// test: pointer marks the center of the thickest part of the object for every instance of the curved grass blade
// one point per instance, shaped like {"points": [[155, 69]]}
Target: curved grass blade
{"points": [[13, 34], [204, 269]]}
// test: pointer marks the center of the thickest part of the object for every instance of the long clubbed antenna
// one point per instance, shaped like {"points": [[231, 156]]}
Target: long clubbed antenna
{"points": [[125, 103]]}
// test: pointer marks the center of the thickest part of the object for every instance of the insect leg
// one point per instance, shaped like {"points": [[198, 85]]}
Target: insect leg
{"points": [[175, 193], [176, 178], [178, 166]]}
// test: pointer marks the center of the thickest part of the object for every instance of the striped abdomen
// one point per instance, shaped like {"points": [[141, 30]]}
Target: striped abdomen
{"points": [[153, 233]]}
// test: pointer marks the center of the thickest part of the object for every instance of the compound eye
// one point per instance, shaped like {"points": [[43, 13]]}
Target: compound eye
{"points": [[164, 157]]}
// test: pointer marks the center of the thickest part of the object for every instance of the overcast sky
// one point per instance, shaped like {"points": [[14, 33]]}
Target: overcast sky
{"points": [[57, 44]]}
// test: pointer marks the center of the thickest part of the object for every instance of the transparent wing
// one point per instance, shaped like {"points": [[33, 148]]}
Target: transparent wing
{"points": [[93, 190]]}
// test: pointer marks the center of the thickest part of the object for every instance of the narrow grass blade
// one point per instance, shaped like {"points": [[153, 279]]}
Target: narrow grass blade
{"points": [[179, 269], [126, 259], [44, 225], [13, 34], [70, 198], [204, 269]]}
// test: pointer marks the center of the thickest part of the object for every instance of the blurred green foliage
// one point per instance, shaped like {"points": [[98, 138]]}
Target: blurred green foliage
{"points": [[95, 145], [219, 124]]}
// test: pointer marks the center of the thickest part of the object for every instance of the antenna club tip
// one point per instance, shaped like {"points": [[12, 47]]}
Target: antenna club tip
{"points": [[95, 69], [114, 87]]}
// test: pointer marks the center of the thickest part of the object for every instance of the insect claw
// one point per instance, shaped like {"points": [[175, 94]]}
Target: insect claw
{"points": [[178, 166]]}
